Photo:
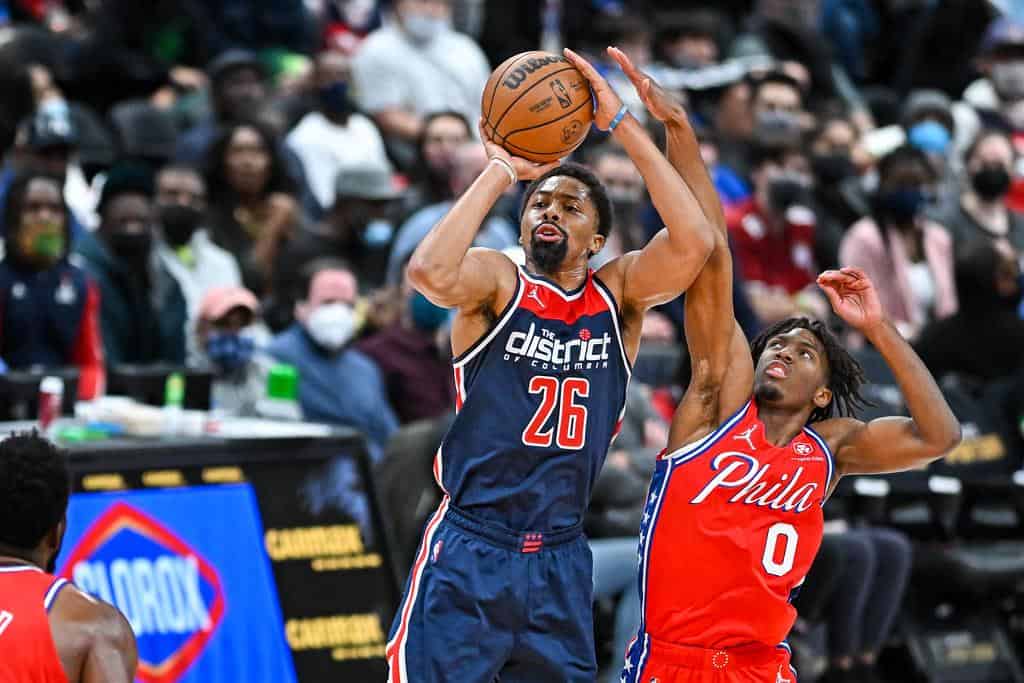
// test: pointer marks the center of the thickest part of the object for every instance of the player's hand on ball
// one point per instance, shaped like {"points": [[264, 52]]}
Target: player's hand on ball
{"points": [[662, 104], [853, 297], [605, 99], [524, 168]]}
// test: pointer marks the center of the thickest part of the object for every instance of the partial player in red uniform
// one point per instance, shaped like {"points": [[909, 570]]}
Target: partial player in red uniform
{"points": [[734, 517], [50, 632]]}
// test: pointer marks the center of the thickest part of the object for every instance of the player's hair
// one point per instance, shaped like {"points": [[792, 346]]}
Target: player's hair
{"points": [[34, 487], [598, 194], [845, 375]]}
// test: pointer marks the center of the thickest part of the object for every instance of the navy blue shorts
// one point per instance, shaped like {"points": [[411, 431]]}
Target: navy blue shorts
{"points": [[484, 604]]}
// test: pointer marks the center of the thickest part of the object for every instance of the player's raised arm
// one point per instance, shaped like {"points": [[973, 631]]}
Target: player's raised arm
{"points": [[890, 443], [671, 260], [443, 267], [723, 370]]}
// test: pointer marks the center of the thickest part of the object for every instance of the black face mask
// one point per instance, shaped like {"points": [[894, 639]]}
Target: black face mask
{"points": [[131, 246], [832, 168], [784, 193], [179, 222], [991, 182]]}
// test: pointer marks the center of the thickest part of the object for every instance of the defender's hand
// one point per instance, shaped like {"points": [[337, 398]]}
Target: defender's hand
{"points": [[662, 104], [605, 99], [853, 297]]}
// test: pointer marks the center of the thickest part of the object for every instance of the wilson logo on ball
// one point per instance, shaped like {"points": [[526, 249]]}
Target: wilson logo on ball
{"points": [[171, 595], [561, 93], [516, 78], [571, 132]]}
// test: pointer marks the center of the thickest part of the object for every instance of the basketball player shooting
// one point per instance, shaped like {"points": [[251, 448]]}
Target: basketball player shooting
{"points": [[50, 632], [501, 584], [734, 515]]}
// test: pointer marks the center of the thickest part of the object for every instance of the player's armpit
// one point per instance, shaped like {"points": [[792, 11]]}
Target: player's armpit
{"points": [[113, 656], [888, 444]]}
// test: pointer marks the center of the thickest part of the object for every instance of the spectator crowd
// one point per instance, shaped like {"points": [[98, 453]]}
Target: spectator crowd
{"points": [[228, 185]]}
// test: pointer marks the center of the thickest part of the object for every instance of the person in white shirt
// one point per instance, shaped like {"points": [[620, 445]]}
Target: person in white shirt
{"points": [[415, 65], [334, 136]]}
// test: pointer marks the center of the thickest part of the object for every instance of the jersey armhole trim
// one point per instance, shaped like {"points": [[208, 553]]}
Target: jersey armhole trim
{"points": [[829, 458], [613, 308], [695, 448], [481, 343], [51, 595]]}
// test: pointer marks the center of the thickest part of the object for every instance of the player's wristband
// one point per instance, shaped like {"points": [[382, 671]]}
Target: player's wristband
{"points": [[623, 110], [508, 169]]}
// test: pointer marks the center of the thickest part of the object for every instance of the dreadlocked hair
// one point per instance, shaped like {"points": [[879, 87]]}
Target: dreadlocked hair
{"points": [[845, 375]]}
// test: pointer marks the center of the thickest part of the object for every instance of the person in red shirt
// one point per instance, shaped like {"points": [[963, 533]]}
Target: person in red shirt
{"points": [[50, 632], [772, 234]]}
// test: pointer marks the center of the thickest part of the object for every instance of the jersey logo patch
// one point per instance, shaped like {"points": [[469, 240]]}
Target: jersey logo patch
{"points": [[535, 295], [171, 595], [801, 448], [745, 436]]}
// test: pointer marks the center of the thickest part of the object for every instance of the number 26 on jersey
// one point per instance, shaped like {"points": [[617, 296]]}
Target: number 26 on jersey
{"points": [[559, 398]]}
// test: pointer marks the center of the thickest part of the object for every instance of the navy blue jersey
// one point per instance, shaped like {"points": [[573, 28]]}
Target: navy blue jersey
{"points": [[539, 399]]}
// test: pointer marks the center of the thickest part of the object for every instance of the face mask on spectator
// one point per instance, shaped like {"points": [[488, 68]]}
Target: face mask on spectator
{"points": [[833, 167], [179, 222], [787, 190], [229, 351], [1008, 79], [378, 232], [929, 136], [991, 181], [331, 325], [334, 98], [43, 246], [902, 206], [131, 246], [423, 28], [770, 125], [425, 315]]}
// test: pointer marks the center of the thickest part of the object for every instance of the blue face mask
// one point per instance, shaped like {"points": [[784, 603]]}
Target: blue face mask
{"points": [[334, 98], [425, 315], [902, 206], [930, 137], [229, 351]]}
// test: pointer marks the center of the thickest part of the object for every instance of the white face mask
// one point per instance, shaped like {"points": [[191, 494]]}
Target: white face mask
{"points": [[332, 325], [1008, 79], [423, 28]]}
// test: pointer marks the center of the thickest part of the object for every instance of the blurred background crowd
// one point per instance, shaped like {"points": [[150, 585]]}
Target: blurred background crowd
{"points": [[227, 185]]}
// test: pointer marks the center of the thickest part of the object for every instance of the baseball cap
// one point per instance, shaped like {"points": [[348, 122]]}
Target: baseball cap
{"points": [[219, 301], [366, 182], [920, 103], [1002, 32], [232, 59]]}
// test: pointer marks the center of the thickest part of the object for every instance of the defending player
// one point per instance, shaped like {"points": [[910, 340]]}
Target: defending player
{"points": [[734, 517], [501, 584], [50, 632]]}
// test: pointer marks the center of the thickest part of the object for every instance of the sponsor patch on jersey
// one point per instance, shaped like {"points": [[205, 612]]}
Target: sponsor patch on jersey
{"points": [[802, 448], [168, 592]]}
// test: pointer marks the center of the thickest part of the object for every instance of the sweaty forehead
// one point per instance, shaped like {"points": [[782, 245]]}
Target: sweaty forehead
{"points": [[565, 185]]}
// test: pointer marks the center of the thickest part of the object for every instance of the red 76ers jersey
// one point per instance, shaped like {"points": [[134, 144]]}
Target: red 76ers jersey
{"points": [[731, 527]]}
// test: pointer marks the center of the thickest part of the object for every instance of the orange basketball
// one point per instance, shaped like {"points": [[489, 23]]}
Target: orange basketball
{"points": [[538, 106]]}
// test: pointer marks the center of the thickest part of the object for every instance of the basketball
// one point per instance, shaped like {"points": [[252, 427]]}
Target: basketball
{"points": [[538, 106]]}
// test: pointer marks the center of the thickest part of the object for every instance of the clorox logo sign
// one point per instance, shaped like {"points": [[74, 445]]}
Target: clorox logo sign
{"points": [[170, 594]]}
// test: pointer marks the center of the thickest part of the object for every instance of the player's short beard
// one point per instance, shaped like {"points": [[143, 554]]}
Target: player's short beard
{"points": [[548, 256]]}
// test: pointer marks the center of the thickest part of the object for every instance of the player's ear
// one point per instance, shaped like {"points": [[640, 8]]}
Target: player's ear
{"points": [[822, 397], [597, 243]]}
